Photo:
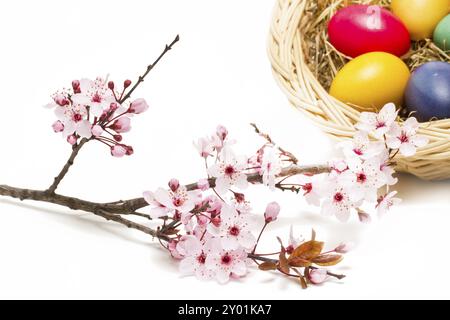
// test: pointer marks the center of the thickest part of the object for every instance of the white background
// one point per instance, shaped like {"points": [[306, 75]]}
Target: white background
{"points": [[218, 73]]}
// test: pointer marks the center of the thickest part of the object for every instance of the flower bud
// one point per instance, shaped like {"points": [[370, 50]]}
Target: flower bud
{"points": [[97, 130], [121, 125], [138, 106], [130, 150], [111, 85], [117, 137], [344, 247], [58, 126], [72, 139], [272, 211], [240, 197], [61, 100], [113, 107], [317, 276], [174, 184], [118, 151], [126, 83], [222, 132]]}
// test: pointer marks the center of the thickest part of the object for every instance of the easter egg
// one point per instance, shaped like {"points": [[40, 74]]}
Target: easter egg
{"points": [[428, 91], [371, 80], [420, 16], [441, 36], [358, 29]]}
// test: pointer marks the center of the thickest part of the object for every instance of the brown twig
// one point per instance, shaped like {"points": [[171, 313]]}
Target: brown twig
{"points": [[149, 68], [66, 167], [269, 140]]}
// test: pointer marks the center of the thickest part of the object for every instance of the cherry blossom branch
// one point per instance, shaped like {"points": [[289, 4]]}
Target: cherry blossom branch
{"points": [[149, 68], [65, 169]]}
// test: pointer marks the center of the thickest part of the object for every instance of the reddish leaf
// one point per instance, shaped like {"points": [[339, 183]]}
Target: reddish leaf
{"points": [[308, 250], [267, 266], [327, 260], [283, 261], [299, 262]]}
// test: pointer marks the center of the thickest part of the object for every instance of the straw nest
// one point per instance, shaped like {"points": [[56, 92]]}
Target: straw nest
{"points": [[304, 64]]}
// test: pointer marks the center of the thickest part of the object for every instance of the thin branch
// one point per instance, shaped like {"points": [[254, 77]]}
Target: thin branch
{"points": [[65, 169], [269, 140], [149, 68]]}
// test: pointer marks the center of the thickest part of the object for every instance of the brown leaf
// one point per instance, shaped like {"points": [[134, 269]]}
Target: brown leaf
{"points": [[308, 250], [171, 232], [283, 261], [267, 266], [327, 260], [299, 262]]}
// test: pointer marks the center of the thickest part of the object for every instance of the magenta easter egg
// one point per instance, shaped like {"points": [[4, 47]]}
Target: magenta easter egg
{"points": [[359, 29]]}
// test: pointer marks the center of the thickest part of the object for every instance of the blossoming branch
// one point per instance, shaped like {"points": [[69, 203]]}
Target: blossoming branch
{"points": [[209, 226]]}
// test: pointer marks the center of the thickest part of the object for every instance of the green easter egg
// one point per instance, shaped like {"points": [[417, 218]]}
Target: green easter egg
{"points": [[441, 35]]}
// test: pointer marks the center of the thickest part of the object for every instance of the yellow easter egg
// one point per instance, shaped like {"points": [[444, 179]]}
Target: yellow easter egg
{"points": [[420, 16], [371, 80]]}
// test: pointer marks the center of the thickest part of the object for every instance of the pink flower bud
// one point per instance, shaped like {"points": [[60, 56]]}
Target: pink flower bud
{"points": [[61, 100], [111, 85], [117, 137], [203, 184], [58, 126], [222, 132], [240, 197], [272, 211], [344, 247], [76, 86], [113, 107], [130, 150], [317, 276], [138, 106], [118, 151], [72, 139], [97, 130], [126, 83], [121, 125], [174, 184]]}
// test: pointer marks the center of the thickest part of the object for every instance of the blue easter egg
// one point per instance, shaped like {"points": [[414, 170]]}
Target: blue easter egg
{"points": [[428, 91]]}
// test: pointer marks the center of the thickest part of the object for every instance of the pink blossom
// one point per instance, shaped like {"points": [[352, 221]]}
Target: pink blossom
{"points": [[337, 202], [405, 137], [317, 276], [311, 186], [361, 147], [294, 242], [158, 210], [385, 202], [203, 184], [118, 151], [97, 130], [270, 167], [234, 229], [58, 126], [181, 200], [94, 94], [225, 263], [138, 106], [363, 179], [378, 123], [229, 171], [204, 147], [172, 246], [272, 211], [122, 125], [74, 119], [386, 168], [195, 254], [174, 184], [344, 247]]}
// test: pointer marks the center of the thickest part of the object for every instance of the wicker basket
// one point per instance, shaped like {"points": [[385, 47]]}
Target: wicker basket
{"points": [[290, 67]]}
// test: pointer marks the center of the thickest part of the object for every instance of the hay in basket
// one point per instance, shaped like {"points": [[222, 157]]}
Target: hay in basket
{"points": [[304, 64]]}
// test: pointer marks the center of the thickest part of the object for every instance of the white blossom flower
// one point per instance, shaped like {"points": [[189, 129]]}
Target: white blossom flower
{"points": [[194, 254], [405, 137], [361, 147], [94, 94], [227, 263], [311, 186], [270, 167], [337, 202], [385, 202], [229, 171], [378, 123], [234, 230]]}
